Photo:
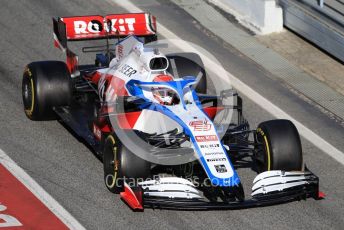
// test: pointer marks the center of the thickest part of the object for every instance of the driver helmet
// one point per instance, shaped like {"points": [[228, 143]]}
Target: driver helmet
{"points": [[164, 95]]}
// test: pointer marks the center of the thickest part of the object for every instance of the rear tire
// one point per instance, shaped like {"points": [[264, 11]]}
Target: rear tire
{"points": [[189, 64], [120, 163], [280, 146], [45, 85]]}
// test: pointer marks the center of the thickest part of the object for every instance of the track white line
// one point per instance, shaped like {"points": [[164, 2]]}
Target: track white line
{"points": [[39, 192], [264, 103]]}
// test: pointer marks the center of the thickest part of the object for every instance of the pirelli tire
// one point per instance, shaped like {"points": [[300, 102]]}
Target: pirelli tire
{"points": [[188, 64], [120, 165], [280, 146], [45, 85]]}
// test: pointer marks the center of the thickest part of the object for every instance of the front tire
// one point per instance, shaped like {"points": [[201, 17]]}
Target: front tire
{"points": [[280, 146], [120, 164]]}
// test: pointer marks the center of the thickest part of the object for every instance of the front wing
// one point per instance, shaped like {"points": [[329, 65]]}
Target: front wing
{"points": [[137, 198]]}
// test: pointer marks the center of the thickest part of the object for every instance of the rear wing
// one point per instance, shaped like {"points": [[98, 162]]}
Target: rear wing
{"points": [[98, 27], [92, 27]]}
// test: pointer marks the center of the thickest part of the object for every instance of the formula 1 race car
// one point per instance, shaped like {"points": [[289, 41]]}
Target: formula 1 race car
{"points": [[142, 111]]}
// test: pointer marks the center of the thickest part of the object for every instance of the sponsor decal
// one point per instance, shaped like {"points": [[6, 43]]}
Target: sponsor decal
{"points": [[209, 146], [200, 125], [95, 26], [220, 168], [83, 27], [206, 138], [120, 51], [127, 70], [213, 153], [216, 159]]}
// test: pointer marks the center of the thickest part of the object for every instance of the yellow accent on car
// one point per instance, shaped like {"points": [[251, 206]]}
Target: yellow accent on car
{"points": [[30, 111], [261, 132], [267, 151]]}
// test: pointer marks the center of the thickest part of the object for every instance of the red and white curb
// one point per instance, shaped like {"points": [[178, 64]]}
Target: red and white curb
{"points": [[24, 204]]}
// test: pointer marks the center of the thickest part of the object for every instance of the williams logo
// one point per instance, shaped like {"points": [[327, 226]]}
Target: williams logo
{"points": [[206, 138], [220, 168]]}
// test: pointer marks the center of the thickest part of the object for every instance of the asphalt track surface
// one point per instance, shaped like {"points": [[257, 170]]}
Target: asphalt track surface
{"points": [[71, 174]]}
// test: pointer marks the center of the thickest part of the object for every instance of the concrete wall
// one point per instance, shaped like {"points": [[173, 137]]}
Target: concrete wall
{"points": [[260, 16], [318, 25]]}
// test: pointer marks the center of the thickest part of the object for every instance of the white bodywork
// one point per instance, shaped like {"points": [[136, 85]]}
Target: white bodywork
{"points": [[132, 62], [276, 181], [170, 187]]}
